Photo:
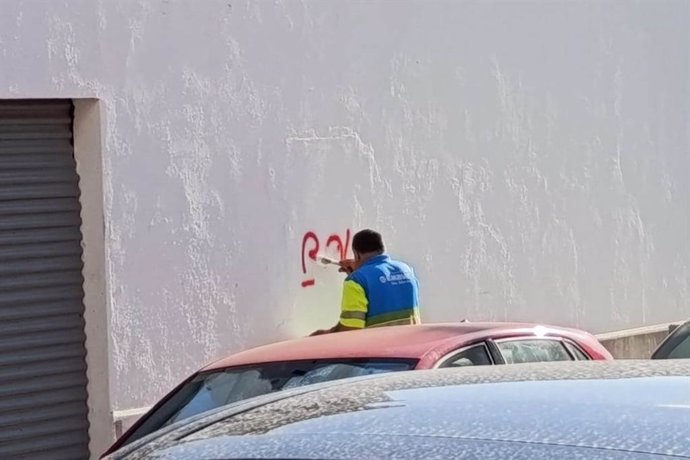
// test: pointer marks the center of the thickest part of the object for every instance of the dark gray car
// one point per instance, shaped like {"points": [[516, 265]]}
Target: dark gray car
{"points": [[592, 410], [676, 345]]}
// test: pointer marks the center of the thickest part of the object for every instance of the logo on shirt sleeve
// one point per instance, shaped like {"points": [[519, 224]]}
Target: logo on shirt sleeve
{"points": [[398, 278]]}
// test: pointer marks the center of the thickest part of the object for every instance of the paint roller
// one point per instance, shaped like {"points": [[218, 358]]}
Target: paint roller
{"points": [[324, 260]]}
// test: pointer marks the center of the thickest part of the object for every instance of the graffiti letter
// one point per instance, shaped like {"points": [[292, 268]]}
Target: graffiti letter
{"points": [[311, 254], [342, 248], [313, 251]]}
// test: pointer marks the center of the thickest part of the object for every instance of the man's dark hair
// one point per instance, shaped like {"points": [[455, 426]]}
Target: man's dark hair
{"points": [[366, 241]]}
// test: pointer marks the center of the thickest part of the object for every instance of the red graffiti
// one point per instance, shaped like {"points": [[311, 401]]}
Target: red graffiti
{"points": [[311, 253], [342, 249]]}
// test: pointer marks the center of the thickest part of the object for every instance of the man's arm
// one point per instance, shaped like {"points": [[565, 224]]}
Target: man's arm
{"points": [[353, 312]]}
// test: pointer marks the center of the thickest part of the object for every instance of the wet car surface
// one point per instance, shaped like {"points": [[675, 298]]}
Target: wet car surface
{"points": [[625, 409]]}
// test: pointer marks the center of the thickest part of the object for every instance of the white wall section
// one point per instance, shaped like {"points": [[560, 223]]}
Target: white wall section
{"points": [[530, 159]]}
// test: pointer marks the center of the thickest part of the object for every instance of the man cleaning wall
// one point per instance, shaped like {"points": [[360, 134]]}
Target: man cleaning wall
{"points": [[378, 290]]}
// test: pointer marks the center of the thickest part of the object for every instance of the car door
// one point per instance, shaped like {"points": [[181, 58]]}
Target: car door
{"points": [[514, 351]]}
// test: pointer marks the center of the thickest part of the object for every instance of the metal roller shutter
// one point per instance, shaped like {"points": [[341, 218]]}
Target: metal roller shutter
{"points": [[43, 412]]}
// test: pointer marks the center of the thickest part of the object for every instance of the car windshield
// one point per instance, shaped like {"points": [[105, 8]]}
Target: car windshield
{"points": [[677, 346], [214, 389]]}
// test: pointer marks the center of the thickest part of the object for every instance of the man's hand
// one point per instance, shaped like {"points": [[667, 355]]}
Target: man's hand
{"points": [[337, 328], [348, 266]]}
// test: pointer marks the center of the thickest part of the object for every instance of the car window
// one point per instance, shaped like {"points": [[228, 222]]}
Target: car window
{"points": [[682, 350], [477, 355], [575, 351], [532, 351], [215, 389], [220, 389], [226, 387], [677, 346], [338, 371]]}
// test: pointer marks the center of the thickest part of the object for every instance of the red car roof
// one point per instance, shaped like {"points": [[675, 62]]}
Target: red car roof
{"points": [[413, 342]]}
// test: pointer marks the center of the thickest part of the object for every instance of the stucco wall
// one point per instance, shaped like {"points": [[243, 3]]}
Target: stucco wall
{"points": [[530, 159]]}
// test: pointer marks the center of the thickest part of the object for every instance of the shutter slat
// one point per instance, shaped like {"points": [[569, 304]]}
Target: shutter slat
{"points": [[45, 161], [72, 350], [55, 383], [43, 399], [44, 176], [64, 445], [40, 369], [56, 149], [36, 280], [43, 340], [28, 105], [27, 142], [46, 308], [29, 251], [20, 120], [18, 207], [19, 302], [45, 421], [42, 265], [43, 412], [24, 327], [39, 235], [66, 189], [47, 220], [21, 132]]}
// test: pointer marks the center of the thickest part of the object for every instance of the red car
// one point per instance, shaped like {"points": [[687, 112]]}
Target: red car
{"points": [[310, 360]]}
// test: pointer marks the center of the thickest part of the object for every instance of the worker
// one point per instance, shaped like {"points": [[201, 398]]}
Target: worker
{"points": [[378, 290]]}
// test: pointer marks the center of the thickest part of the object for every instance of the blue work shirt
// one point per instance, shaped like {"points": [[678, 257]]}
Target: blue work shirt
{"points": [[381, 292]]}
